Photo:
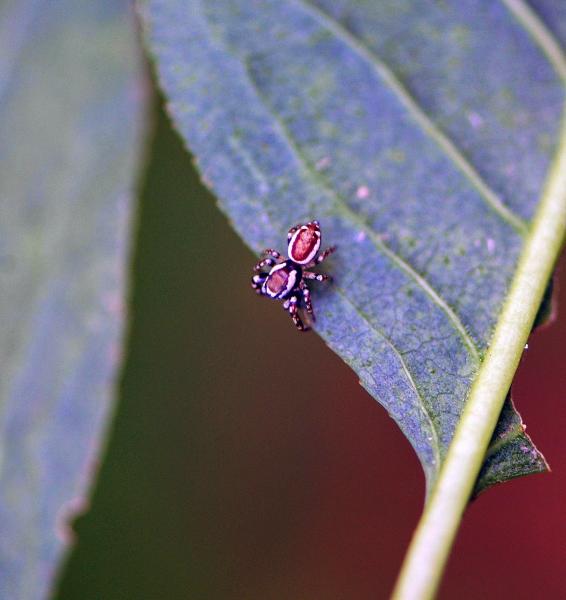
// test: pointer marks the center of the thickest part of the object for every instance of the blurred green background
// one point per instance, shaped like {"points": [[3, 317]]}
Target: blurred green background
{"points": [[245, 461]]}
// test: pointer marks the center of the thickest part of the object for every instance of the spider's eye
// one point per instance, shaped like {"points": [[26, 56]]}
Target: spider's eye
{"points": [[305, 243]]}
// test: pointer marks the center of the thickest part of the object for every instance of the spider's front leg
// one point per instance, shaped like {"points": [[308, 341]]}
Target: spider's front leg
{"points": [[264, 262], [292, 305], [273, 253], [271, 257]]}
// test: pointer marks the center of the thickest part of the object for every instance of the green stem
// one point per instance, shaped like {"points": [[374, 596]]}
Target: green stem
{"points": [[433, 539]]}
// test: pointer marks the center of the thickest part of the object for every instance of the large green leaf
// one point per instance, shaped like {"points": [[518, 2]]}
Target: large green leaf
{"points": [[419, 134], [71, 96]]}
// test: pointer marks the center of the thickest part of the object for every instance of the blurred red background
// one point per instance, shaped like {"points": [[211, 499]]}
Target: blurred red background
{"points": [[246, 462]]}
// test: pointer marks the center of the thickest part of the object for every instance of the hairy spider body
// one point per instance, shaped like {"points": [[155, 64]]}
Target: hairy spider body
{"points": [[284, 279]]}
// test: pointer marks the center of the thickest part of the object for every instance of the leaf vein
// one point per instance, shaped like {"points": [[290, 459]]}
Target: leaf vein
{"points": [[427, 124], [543, 37], [506, 438], [435, 443], [341, 205]]}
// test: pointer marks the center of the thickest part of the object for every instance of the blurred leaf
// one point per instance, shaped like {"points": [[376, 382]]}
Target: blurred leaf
{"points": [[418, 133], [71, 99]]}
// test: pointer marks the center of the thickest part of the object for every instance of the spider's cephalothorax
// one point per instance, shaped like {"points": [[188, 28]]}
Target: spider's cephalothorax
{"points": [[285, 279]]}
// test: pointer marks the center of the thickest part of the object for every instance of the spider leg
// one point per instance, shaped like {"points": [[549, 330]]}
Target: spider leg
{"points": [[317, 276], [307, 299], [322, 256], [273, 253], [257, 282], [265, 262], [293, 309]]}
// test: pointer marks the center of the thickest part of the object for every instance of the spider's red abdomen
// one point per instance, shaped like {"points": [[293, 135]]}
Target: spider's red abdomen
{"points": [[305, 243]]}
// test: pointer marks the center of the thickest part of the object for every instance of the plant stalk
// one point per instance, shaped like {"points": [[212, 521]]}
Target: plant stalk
{"points": [[430, 547]]}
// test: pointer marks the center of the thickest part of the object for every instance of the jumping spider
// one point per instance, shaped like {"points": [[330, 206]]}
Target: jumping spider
{"points": [[285, 279]]}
